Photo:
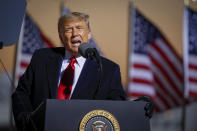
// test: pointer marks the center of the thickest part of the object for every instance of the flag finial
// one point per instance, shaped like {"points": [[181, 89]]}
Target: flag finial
{"points": [[186, 2]]}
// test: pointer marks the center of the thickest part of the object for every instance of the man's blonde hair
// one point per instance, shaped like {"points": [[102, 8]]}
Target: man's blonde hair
{"points": [[74, 15]]}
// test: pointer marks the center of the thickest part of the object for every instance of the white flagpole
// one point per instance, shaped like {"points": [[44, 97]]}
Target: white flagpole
{"points": [[185, 63]]}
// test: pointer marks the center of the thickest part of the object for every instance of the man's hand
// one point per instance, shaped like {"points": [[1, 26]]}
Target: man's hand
{"points": [[149, 107], [25, 122]]}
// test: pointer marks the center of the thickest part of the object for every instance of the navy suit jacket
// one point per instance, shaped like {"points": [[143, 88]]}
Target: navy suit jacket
{"points": [[40, 81]]}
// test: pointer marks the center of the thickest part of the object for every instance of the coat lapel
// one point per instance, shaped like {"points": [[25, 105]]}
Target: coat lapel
{"points": [[53, 70], [87, 81]]}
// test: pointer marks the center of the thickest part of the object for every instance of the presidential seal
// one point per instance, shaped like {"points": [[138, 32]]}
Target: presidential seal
{"points": [[99, 120]]}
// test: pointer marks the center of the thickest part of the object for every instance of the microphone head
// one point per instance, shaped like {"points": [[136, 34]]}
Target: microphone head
{"points": [[83, 49]]}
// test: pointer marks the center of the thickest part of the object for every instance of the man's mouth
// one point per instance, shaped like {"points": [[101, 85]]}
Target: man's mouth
{"points": [[76, 42]]}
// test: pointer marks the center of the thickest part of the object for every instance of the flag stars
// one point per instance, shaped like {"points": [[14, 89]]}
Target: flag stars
{"points": [[142, 30], [31, 39], [192, 32]]}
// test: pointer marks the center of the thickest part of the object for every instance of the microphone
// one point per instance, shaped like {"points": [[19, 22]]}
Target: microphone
{"points": [[87, 51]]}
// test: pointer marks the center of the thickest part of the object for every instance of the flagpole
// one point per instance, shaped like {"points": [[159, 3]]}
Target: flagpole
{"points": [[61, 6], [185, 65], [183, 116], [186, 2], [131, 30]]}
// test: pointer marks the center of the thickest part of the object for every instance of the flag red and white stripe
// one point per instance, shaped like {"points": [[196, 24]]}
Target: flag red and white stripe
{"points": [[31, 39], [190, 52], [155, 69]]}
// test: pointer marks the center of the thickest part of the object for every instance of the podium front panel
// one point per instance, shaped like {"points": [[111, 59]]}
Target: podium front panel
{"points": [[66, 115]]}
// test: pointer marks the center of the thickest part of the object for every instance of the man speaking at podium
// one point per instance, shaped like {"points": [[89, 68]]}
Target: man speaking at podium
{"points": [[62, 73]]}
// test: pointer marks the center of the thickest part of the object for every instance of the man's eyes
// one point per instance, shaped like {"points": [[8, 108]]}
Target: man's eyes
{"points": [[71, 29], [79, 27], [68, 30]]}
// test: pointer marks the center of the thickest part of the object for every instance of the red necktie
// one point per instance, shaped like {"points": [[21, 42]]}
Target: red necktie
{"points": [[65, 86]]}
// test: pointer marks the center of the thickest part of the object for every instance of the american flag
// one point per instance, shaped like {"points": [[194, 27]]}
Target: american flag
{"points": [[190, 52], [31, 39], [155, 70]]}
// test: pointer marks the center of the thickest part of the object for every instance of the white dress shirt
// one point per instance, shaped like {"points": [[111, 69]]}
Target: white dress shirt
{"points": [[78, 68]]}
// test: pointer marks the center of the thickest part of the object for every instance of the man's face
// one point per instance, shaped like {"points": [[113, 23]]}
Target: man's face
{"points": [[75, 32]]}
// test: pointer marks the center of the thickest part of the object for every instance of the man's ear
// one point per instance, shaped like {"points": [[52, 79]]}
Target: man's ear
{"points": [[60, 38], [89, 35]]}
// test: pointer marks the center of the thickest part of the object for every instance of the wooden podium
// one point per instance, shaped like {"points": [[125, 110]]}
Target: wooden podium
{"points": [[91, 115]]}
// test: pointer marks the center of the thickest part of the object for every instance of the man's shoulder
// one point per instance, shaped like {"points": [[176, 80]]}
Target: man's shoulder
{"points": [[108, 62], [42, 55], [50, 51]]}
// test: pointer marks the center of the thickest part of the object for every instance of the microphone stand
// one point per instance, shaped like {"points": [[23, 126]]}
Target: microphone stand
{"points": [[91, 53], [100, 71]]}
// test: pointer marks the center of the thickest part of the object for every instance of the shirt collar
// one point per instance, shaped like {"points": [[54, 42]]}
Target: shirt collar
{"points": [[80, 60]]}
